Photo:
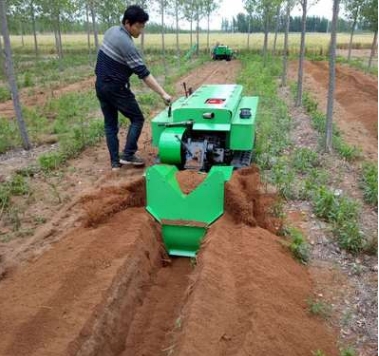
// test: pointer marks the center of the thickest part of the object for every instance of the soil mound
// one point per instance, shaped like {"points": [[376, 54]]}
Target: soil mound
{"points": [[249, 297], [246, 201], [79, 297], [107, 201]]}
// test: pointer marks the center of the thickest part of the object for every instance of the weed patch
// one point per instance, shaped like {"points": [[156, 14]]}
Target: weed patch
{"points": [[319, 308], [298, 246], [369, 183]]}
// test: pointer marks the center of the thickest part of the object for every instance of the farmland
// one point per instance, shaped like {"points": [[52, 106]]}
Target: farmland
{"points": [[235, 40], [82, 267]]}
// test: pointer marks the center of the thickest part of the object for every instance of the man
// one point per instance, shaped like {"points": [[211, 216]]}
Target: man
{"points": [[117, 60]]}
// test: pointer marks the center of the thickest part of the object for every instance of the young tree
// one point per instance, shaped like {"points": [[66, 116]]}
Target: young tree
{"points": [[299, 96], [33, 9], [199, 14], [110, 12], [55, 12], [88, 27], [249, 7], [162, 6], [289, 5], [332, 77], [370, 14], [2, 63], [277, 17], [11, 76], [189, 15], [175, 9], [353, 10], [91, 5], [145, 5], [210, 6], [266, 10]]}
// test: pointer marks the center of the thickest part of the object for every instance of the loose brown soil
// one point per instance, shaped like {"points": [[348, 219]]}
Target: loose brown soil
{"points": [[95, 279], [356, 102]]}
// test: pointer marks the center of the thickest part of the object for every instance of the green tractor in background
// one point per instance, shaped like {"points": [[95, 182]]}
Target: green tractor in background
{"points": [[210, 131], [221, 52]]}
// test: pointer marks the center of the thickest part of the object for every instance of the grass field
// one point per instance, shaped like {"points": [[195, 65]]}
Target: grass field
{"points": [[238, 41]]}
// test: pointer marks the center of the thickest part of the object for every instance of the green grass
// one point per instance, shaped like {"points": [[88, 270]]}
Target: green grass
{"points": [[318, 353], [303, 159], [348, 352], [18, 185], [369, 183], [5, 94], [298, 246], [319, 308], [343, 213]]}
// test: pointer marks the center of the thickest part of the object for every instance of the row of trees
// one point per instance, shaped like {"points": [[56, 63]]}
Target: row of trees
{"points": [[40, 15], [240, 23]]}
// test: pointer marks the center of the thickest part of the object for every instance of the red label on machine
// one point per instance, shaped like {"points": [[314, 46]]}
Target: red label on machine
{"points": [[215, 101]]}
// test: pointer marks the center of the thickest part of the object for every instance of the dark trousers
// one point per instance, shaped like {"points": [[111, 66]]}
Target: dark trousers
{"points": [[116, 98]]}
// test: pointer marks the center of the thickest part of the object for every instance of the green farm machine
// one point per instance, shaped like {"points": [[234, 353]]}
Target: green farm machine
{"points": [[222, 52], [210, 131]]}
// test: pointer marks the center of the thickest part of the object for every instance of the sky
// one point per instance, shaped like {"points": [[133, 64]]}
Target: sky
{"points": [[230, 8]]}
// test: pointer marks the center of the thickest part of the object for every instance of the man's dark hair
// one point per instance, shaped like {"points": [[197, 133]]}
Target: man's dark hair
{"points": [[135, 13]]}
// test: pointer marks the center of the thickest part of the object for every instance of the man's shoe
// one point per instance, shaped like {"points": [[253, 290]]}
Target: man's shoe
{"points": [[116, 167], [133, 160]]}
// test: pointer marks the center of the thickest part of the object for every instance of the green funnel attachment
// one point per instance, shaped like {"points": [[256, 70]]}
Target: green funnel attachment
{"points": [[185, 218]]}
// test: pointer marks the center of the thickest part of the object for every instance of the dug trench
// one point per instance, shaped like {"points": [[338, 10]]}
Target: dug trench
{"points": [[108, 287]]}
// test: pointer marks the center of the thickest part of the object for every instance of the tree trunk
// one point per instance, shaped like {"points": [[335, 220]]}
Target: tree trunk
{"points": [[248, 33], [177, 32], [197, 36], [208, 47], [191, 29], [299, 97], [57, 47], [163, 42], [59, 37], [373, 49], [285, 49], [22, 34], [276, 29], [332, 78], [351, 38], [2, 63], [11, 77], [94, 27], [33, 17], [88, 36], [142, 50], [265, 41]]}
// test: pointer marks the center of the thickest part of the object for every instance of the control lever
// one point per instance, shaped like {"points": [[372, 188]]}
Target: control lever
{"points": [[169, 109], [184, 145]]}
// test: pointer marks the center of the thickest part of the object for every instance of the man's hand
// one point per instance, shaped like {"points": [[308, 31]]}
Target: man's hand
{"points": [[167, 98]]}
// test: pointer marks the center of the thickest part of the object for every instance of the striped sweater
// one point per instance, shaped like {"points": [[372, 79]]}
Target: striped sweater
{"points": [[118, 57]]}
